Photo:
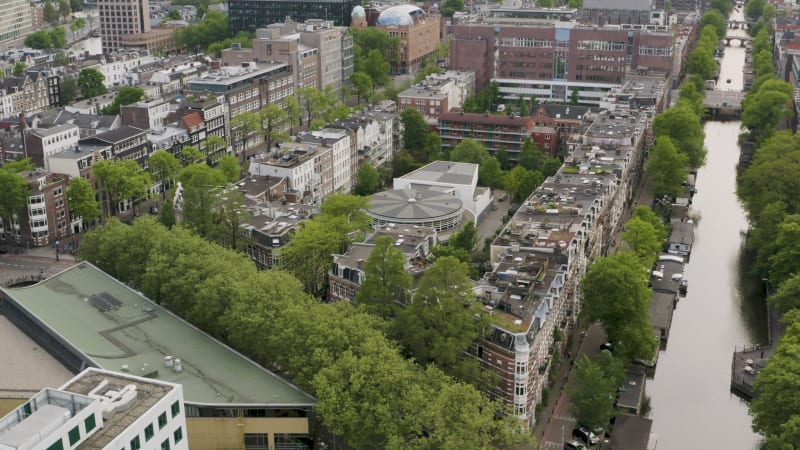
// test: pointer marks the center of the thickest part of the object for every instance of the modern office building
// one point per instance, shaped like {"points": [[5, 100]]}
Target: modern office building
{"points": [[121, 17], [552, 62], [99, 409], [249, 15], [230, 401], [15, 22]]}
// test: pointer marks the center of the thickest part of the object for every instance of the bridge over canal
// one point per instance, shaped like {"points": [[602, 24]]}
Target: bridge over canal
{"points": [[724, 104]]}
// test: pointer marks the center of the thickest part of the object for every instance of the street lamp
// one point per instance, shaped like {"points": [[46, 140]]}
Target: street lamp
{"points": [[766, 287]]}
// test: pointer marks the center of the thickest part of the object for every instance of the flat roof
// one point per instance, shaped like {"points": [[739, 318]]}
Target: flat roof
{"points": [[118, 329], [149, 393], [447, 172]]}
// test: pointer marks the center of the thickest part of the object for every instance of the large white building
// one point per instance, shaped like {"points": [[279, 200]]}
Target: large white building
{"points": [[99, 409], [15, 22], [453, 178]]}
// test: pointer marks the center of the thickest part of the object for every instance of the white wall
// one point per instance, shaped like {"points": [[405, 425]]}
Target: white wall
{"points": [[137, 428]]}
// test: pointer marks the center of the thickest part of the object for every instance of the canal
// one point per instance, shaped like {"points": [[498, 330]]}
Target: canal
{"points": [[692, 407]]}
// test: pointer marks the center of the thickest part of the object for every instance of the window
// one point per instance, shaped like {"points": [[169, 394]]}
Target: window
{"points": [[255, 441], [89, 423], [176, 408], [74, 435], [135, 444], [165, 444], [148, 432], [57, 445], [177, 435], [162, 420]]}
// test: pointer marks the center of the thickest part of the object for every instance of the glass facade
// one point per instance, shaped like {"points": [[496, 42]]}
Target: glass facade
{"points": [[248, 15]]}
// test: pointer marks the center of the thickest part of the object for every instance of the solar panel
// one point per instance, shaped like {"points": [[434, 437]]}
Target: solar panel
{"points": [[99, 303], [113, 301]]}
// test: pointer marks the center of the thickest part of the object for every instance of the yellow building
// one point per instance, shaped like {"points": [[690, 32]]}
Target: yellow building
{"points": [[85, 318]]}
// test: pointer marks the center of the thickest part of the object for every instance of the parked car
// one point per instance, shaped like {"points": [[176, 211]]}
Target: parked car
{"points": [[3, 250], [607, 346], [574, 445], [154, 210], [585, 436]]}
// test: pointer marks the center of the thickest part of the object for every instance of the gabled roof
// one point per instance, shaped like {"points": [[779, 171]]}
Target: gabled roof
{"points": [[192, 120]]}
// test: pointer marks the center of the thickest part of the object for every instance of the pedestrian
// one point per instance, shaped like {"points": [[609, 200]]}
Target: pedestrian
{"points": [[762, 354]]}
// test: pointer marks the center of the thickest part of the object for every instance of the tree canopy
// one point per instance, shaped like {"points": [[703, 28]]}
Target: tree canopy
{"points": [[616, 293], [368, 180], [367, 392], [121, 180], [91, 83], [666, 168], [593, 394], [469, 151], [82, 200], [125, 96], [54, 38], [386, 285], [437, 327], [683, 127], [14, 191], [415, 130]]}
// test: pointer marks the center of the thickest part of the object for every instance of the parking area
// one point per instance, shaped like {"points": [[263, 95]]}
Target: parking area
{"points": [[493, 218]]}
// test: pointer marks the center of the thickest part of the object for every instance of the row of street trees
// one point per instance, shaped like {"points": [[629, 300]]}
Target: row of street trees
{"points": [[616, 294], [768, 191], [368, 392]]}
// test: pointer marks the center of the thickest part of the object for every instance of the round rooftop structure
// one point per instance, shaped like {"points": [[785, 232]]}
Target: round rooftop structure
{"points": [[416, 207], [400, 15], [358, 11]]}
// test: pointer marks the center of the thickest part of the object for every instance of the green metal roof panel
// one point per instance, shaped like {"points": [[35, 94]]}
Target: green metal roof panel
{"points": [[119, 329]]}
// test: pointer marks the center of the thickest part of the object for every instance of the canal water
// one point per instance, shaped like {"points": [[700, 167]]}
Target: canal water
{"points": [[692, 407]]}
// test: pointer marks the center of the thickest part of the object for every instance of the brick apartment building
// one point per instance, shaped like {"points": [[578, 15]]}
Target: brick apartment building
{"points": [[493, 131], [428, 99], [566, 120], [46, 218], [418, 32], [549, 62]]}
